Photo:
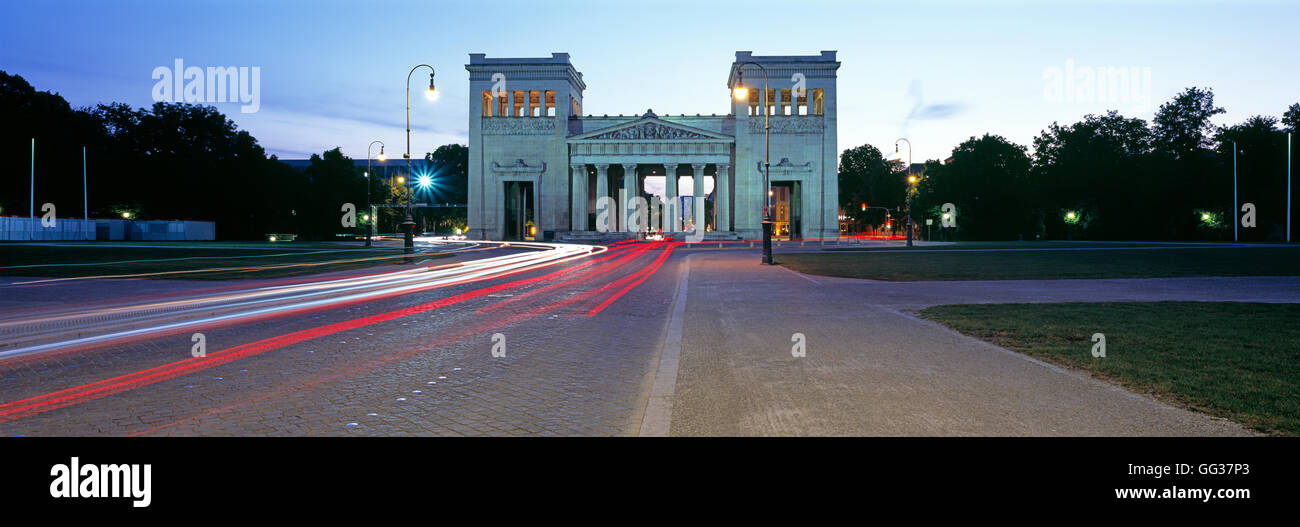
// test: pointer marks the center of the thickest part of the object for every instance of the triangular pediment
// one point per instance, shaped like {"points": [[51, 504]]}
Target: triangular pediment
{"points": [[650, 129]]}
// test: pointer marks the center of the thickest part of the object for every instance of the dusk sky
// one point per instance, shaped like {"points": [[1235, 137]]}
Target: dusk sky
{"points": [[332, 72]]}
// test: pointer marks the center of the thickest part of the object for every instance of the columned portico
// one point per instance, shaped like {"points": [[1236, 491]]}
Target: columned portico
{"points": [[722, 198], [639, 147], [697, 193], [579, 196], [602, 190], [628, 199], [670, 197]]}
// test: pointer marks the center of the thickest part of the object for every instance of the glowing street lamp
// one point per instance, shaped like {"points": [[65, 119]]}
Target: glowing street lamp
{"points": [[424, 181], [1071, 219], [911, 182], [431, 94]]}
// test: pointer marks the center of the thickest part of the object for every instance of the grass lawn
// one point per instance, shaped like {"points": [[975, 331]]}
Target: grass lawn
{"points": [[1235, 360], [190, 261], [1037, 261]]}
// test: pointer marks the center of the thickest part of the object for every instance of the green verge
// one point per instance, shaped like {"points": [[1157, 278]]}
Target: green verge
{"points": [[1235, 360], [189, 262], [951, 263]]}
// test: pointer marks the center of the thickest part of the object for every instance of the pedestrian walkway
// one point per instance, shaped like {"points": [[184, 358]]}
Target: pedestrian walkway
{"points": [[872, 368]]}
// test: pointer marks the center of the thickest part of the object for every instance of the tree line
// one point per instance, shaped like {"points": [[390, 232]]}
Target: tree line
{"points": [[186, 161], [1105, 177]]}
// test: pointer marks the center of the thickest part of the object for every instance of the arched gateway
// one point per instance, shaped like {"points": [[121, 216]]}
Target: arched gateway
{"points": [[538, 166]]}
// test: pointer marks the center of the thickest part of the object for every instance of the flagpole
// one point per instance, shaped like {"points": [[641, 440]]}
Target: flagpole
{"points": [[31, 205], [85, 201]]}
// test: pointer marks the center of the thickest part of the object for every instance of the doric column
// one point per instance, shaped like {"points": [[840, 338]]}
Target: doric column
{"points": [[626, 207], [722, 198], [672, 219], [602, 191], [698, 192], [579, 220]]}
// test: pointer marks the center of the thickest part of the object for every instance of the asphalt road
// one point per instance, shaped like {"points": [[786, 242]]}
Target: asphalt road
{"points": [[576, 349]]}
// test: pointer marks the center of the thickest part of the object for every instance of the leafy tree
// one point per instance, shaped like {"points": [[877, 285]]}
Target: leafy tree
{"points": [[1188, 174], [332, 181], [1097, 170], [60, 132], [185, 161], [1291, 119], [865, 176], [988, 181], [1182, 126]]}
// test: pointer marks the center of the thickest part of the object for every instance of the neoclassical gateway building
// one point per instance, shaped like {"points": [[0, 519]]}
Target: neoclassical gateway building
{"points": [[538, 165]]}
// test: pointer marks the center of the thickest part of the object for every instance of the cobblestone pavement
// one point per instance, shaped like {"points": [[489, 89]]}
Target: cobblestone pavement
{"points": [[428, 373], [871, 368]]}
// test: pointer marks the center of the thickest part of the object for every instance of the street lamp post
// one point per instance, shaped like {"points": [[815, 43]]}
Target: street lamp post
{"points": [[1236, 218], [370, 223], [911, 180], [409, 224], [767, 153]]}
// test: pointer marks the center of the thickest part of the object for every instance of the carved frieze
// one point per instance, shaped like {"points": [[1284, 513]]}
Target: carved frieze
{"points": [[518, 167], [785, 166], [518, 126], [789, 124], [649, 131]]}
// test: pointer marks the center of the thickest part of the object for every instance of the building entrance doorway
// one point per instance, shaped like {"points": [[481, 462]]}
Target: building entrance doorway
{"points": [[785, 210], [520, 223]]}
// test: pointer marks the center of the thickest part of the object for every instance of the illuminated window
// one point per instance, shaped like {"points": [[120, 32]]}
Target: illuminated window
{"points": [[818, 105], [801, 103], [487, 103], [503, 103], [550, 104], [784, 104], [534, 103], [519, 104]]}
